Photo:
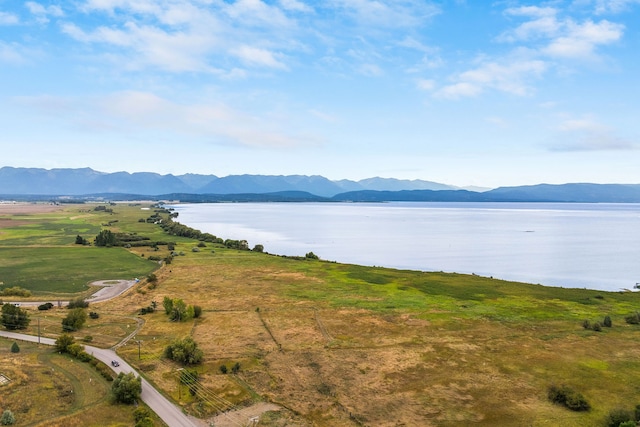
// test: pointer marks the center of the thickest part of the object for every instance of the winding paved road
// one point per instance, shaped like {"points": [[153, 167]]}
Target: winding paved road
{"points": [[170, 413]]}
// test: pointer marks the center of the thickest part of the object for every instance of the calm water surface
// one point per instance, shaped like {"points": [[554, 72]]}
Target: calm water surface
{"points": [[593, 246]]}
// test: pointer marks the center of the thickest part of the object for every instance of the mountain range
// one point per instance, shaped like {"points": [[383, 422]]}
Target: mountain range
{"points": [[35, 183]]}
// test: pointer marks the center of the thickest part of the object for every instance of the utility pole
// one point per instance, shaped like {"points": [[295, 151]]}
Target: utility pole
{"points": [[139, 356], [38, 330]]}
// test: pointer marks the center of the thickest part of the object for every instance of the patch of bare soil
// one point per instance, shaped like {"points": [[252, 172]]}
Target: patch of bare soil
{"points": [[244, 416], [27, 208]]}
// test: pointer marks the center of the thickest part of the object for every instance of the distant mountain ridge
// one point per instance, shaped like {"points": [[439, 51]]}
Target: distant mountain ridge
{"points": [[73, 182], [41, 184]]}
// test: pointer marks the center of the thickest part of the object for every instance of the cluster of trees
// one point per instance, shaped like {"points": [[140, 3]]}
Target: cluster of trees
{"points": [[14, 317], [176, 229], [65, 343], [126, 388], [184, 351], [178, 311]]}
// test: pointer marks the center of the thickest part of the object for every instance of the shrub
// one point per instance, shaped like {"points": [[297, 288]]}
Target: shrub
{"points": [[607, 321], [15, 348], [87, 338], [235, 368], [567, 397], [202, 245], [78, 303], [94, 315], [197, 311], [619, 416], [633, 319], [7, 418], [196, 249], [586, 324], [223, 369], [597, 327], [258, 248]]}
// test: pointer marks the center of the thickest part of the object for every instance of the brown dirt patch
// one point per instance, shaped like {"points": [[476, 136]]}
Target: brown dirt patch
{"points": [[27, 208]]}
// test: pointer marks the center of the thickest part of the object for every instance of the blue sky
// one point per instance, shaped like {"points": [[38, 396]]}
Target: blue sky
{"points": [[460, 92]]}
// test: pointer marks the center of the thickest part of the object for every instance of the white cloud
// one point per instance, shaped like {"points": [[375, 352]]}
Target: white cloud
{"points": [[614, 6], [42, 13], [8, 18], [258, 57], [561, 37], [510, 77], [581, 40], [544, 24]]}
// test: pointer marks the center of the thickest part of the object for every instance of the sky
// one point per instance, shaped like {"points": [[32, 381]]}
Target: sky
{"points": [[462, 92]]}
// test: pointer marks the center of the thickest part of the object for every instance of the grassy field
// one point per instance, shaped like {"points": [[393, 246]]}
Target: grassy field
{"points": [[345, 345], [48, 389]]}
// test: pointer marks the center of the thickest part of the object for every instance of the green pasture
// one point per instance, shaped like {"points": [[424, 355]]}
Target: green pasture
{"points": [[67, 269], [389, 290]]}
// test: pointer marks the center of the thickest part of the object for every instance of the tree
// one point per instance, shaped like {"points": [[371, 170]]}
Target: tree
{"points": [[126, 388], [81, 240], [14, 317], [167, 303], [258, 248], [184, 351], [63, 342], [311, 255], [7, 418], [105, 238], [75, 320], [15, 348]]}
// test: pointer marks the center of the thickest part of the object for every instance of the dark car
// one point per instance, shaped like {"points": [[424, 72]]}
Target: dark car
{"points": [[115, 363]]}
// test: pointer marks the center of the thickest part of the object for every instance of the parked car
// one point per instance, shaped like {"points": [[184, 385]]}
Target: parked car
{"points": [[115, 363]]}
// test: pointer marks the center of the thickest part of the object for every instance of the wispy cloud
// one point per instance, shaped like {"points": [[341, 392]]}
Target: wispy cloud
{"points": [[130, 112], [614, 6], [587, 134], [8, 18], [543, 40], [42, 13], [510, 76]]}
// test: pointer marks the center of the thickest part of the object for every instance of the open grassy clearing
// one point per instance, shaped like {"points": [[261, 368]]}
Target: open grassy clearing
{"points": [[48, 389], [58, 270], [348, 345]]}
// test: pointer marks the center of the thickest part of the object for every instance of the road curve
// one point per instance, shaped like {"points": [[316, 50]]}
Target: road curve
{"points": [[170, 413]]}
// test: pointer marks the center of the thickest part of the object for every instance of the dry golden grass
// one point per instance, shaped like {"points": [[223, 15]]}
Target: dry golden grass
{"points": [[48, 389], [338, 365], [340, 345]]}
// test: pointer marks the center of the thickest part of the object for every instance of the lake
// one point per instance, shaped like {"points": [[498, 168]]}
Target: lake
{"points": [[594, 246]]}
